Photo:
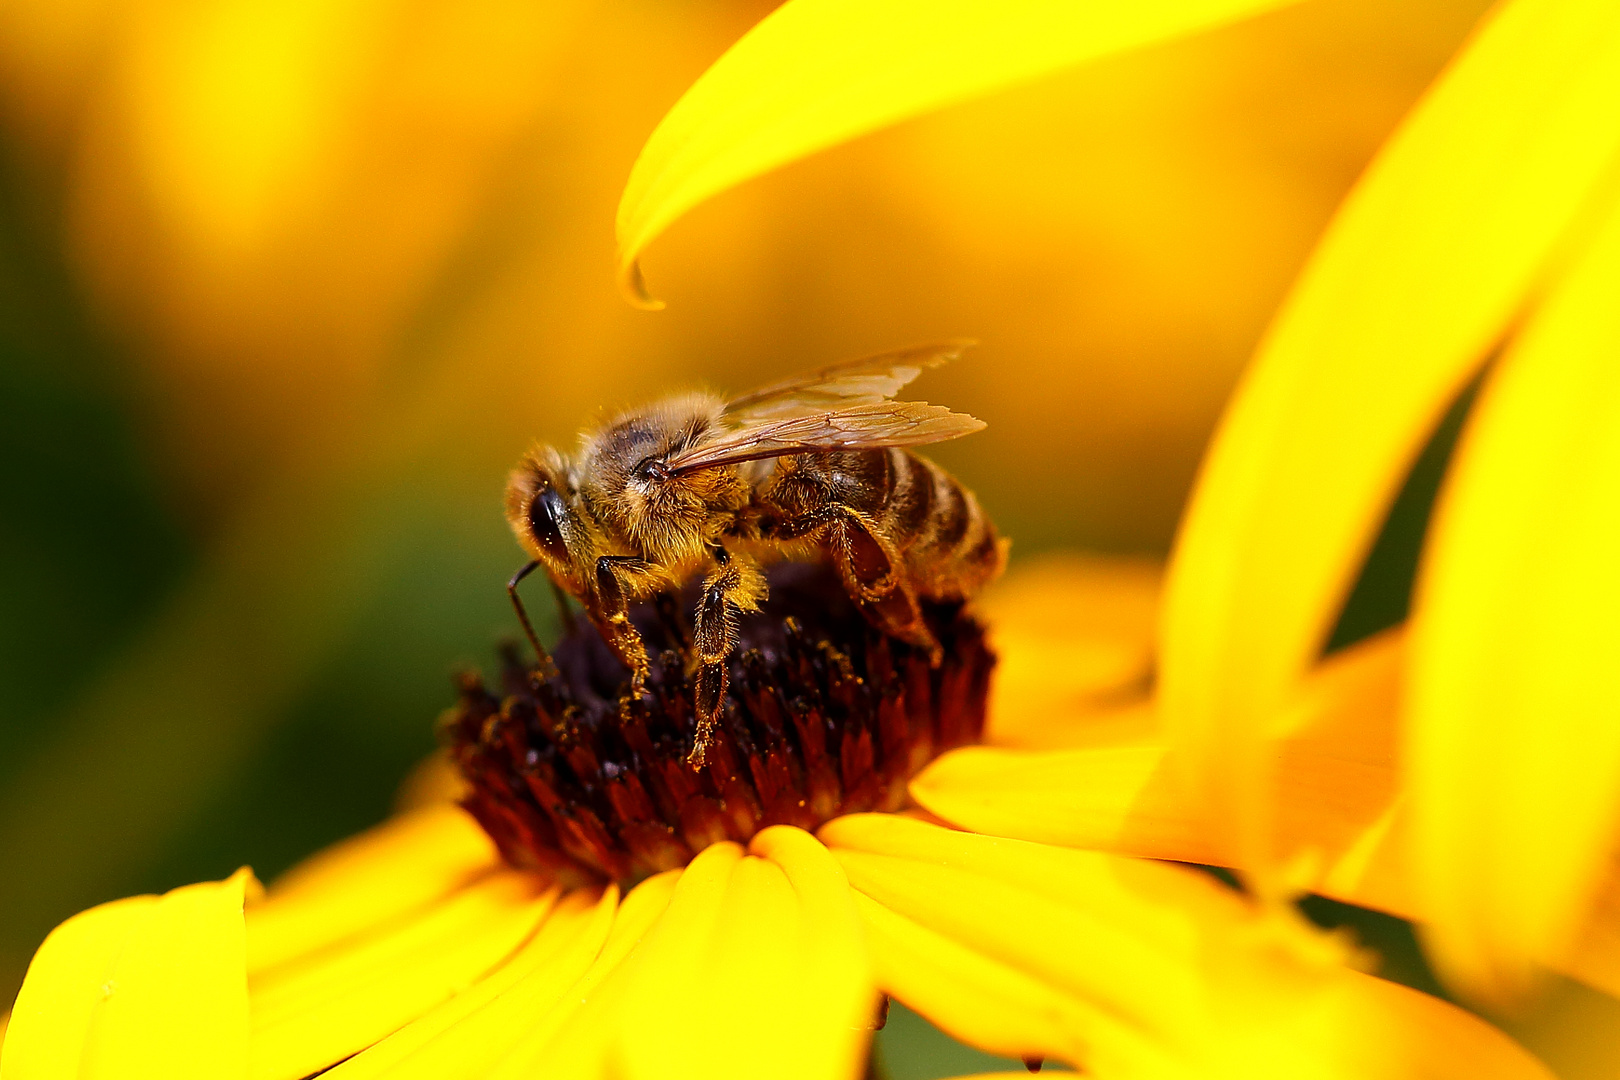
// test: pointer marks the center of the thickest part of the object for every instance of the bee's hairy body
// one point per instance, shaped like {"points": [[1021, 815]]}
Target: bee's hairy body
{"points": [[641, 510]]}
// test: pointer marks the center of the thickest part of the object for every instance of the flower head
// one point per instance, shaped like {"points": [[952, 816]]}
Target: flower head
{"points": [[576, 776]]}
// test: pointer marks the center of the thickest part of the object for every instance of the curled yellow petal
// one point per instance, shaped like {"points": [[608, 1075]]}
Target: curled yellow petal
{"points": [[1431, 257], [1513, 732], [1151, 970], [815, 73], [149, 986]]}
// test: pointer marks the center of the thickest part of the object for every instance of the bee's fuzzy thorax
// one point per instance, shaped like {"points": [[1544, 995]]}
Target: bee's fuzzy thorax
{"points": [[673, 520], [574, 778]]}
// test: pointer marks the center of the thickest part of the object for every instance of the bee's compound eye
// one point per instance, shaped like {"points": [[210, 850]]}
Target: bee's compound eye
{"points": [[651, 469], [545, 515]]}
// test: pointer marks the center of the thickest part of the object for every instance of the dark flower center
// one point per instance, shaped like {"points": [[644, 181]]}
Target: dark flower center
{"points": [[574, 777]]}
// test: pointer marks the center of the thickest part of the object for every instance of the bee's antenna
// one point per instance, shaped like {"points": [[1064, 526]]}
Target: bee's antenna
{"points": [[543, 657]]}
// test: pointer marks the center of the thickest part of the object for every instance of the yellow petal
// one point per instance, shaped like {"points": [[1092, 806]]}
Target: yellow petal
{"points": [[1336, 784], [1075, 638], [1428, 261], [980, 1000], [815, 73], [1169, 973], [1338, 811], [149, 986], [774, 944], [570, 1036], [312, 1012], [59, 997], [434, 781], [1595, 959], [475, 1030], [832, 973], [1088, 919], [1384, 1028], [660, 976], [367, 881], [1110, 798], [1514, 711]]}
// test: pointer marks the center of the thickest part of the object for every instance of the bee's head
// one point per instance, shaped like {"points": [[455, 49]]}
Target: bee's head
{"points": [[545, 513]]}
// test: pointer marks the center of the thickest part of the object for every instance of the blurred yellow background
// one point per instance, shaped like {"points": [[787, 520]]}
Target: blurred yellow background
{"points": [[287, 285]]}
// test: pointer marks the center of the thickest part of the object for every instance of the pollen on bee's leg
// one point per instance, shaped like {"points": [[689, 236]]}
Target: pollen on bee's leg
{"points": [[582, 776]]}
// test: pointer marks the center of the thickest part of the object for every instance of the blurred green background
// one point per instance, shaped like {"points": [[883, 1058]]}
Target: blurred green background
{"points": [[287, 285]]}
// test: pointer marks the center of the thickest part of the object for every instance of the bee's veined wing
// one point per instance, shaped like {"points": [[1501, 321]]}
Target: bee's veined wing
{"points": [[866, 426], [865, 381]]}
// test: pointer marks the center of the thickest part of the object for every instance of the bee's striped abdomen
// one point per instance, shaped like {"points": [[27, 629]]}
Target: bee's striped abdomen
{"points": [[948, 547]]}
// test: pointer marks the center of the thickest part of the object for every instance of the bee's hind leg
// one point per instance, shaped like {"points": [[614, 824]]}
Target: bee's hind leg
{"points": [[736, 585], [873, 574], [875, 581]]}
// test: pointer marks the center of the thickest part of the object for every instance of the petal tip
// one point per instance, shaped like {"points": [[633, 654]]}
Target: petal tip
{"points": [[633, 287], [245, 879]]}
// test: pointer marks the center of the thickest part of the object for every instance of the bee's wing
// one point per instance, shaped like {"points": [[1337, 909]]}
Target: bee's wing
{"points": [[868, 380], [864, 426]]}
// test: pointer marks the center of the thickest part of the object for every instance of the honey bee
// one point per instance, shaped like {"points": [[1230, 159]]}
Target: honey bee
{"points": [[812, 466]]}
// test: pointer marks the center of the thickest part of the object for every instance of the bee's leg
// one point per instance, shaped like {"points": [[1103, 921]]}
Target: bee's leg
{"points": [[869, 563], [613, 616], [875, 580], [872, 571], [881, 591], [736, 585]]}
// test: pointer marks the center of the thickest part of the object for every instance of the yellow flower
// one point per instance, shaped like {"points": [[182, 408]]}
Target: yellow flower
{"points": [[415, 950], [414, 947], [1487, 229]]}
